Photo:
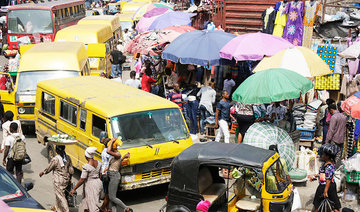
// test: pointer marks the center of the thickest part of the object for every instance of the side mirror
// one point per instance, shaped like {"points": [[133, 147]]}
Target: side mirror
{"points": [[28, 186]]}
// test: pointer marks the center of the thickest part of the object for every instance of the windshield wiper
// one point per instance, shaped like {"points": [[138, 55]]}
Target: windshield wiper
{"points": [[149, 145], [175, 141]]}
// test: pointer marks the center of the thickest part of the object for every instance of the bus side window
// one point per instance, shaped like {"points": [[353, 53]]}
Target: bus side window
{"points": [[48, 103], [68, 112], [98, 125], [82, 124]]}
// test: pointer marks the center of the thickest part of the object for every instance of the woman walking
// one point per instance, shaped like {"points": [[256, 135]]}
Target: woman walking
{"points": [[62, 169], [91, 180], [327, 186], [114, 174]]}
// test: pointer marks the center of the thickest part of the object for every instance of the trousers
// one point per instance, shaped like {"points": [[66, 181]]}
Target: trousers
{"points": [[223, 131], [113, 187], [204, 114]]}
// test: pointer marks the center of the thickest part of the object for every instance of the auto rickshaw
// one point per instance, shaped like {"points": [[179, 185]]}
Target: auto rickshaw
{"points": [[203, 172]]}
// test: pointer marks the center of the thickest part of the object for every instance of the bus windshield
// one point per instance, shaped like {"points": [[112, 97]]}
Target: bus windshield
{"points": [[28, 80], [29, 21], [149, 127]]}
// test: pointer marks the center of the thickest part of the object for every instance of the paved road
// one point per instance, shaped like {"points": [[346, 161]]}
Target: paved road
{"points": [[148, 199]]}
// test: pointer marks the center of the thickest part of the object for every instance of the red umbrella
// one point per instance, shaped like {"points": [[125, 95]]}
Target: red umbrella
{"points": [[181, 29], [146, 41], [351, 106]]}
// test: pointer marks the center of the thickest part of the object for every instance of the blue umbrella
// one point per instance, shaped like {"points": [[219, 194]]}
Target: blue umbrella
{"points": [[197, 47], [176, 18]]}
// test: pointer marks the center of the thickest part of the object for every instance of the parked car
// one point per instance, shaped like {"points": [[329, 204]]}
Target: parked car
{"points": [[14, 194]]}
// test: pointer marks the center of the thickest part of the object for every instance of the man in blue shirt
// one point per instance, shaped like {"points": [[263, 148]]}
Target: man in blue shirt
{"points": [[222, 117]]}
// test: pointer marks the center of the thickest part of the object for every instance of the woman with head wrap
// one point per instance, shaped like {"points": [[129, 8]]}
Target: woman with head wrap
{"points": [[90, 177], [62, 169]]}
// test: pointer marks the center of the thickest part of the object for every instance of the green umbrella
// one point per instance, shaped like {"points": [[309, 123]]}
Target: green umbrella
{"points": [[264, 134], [272, 85]]}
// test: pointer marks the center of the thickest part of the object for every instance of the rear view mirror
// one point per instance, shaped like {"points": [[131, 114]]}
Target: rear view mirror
{"points": [[28, 186]]}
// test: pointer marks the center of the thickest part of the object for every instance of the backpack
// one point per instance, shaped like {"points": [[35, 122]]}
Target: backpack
{"points": [[18, 149]]}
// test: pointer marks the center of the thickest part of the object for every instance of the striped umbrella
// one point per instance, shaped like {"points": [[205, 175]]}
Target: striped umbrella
{"points": [[264, 134], [351, 105], [301, 60]]}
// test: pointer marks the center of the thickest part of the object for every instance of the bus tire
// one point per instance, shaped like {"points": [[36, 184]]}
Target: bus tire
{"points": [[50, 151]]}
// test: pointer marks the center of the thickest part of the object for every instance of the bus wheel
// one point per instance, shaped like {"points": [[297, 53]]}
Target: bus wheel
{"points": [[50, 152]]}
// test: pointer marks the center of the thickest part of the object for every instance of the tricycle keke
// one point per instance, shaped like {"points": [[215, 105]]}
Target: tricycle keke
{"points": [[259, 179]]}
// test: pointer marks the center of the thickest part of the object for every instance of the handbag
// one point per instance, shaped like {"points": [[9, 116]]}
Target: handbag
{"points": [[26, 159], [328, 82], [326, 206], [328, 53]]}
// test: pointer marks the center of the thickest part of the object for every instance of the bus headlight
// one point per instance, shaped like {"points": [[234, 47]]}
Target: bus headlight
{"points": [[21, 110], [128, 178]]}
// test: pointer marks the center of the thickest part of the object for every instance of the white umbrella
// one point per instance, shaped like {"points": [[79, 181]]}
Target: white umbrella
{"points": [[301, 60]]}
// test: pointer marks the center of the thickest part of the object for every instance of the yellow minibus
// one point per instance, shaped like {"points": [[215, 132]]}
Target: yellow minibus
{"points": [[42, 62], [152, 129], [112, 20], [98, 40]]}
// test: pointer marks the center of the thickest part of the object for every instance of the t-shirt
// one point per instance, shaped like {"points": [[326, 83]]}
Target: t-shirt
{"points": [[117, 57], [280, 111], [228, 85], [10, 140], [224, 108], [146, 82], [105, 157], [133, 83], [6, 131], [176, 98]]}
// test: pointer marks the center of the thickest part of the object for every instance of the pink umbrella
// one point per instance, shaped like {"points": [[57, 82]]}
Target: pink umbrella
{"points": [[146, 41], [156, 11], [181, 29], [253, 46], [145, 22]]}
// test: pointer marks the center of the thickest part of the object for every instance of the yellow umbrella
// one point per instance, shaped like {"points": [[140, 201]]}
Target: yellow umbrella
{"points": [[301, 60]]}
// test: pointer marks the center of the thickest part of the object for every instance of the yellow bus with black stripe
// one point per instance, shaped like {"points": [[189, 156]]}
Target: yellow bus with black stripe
{"points": [[152, 129]]}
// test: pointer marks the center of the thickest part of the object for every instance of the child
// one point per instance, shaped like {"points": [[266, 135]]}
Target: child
{"points": [[327, 186]]}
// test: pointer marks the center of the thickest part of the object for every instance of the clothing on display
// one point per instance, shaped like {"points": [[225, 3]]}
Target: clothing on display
{"points": [[350, 87], [293, 31], [269, 16], [312, 8], [353, 64], [350, 138], [281, 18]]}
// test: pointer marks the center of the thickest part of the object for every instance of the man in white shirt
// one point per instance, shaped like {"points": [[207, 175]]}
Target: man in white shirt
{"points": [[276, 112], [6, 127], [132, 81], [207, 96], [8, 160]]}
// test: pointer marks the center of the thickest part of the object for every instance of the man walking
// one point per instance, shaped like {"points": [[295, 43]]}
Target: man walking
{"points": [[222, 117], [207, 96], [117, 59], [337, 131], [15, 152], [132, 81]]}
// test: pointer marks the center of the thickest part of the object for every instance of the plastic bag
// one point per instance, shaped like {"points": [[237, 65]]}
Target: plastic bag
{"points": [[326, 206], [297, 200]]}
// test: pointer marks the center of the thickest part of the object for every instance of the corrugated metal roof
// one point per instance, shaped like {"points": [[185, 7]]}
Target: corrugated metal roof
{"points": [[241, 15]]}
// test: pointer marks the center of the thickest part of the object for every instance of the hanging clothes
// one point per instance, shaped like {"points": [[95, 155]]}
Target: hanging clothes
{"points": [[280, 20], [269, 18], [353, 64], [311, 11], [293, 31]]}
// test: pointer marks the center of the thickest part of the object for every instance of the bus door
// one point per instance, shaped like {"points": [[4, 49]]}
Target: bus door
{"points": [[7, 93]]}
